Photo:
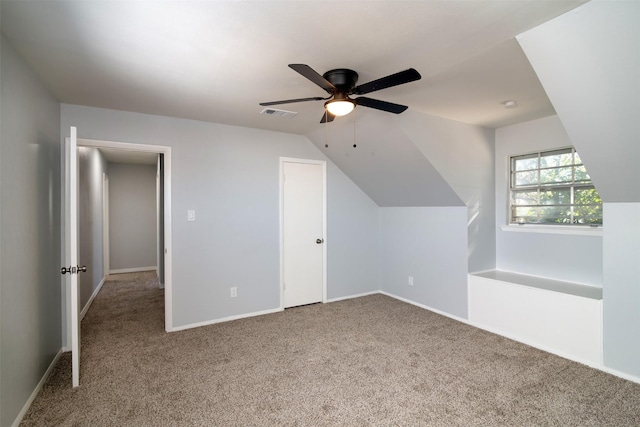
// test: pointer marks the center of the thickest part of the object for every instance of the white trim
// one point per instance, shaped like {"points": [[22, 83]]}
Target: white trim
{"points": [[105, 224], [133, 269], [166, 151], [617, 373], [43, 380], [93, 296], [426, 307], [598, 366], [322, 163], [539, 346], [554, 229], [225, 319], [365, 294]]}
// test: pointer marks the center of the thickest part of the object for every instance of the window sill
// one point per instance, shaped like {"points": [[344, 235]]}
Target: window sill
{"points": [[553, 229]]}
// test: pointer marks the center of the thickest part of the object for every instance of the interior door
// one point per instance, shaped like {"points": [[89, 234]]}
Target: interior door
{"points": [[71, 268], [303, 233]]}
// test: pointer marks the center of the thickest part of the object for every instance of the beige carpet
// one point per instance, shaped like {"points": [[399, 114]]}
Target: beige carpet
{"points": [[366, 361]]}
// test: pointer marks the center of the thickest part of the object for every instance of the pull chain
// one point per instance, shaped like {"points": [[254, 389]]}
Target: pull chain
{"points": [[326, 129], [354, 128]]}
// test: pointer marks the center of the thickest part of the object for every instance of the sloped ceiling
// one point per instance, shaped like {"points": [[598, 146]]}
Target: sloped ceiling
{"points": [[589, 63], [216, 60], [385, 163]]}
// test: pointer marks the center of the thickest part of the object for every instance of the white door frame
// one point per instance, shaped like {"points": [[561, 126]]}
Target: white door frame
{"points": [[71, 252], [322, 163], [105, 225], [166, 151]]}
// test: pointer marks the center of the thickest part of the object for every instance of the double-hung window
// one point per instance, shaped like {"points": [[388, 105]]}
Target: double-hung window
{"points": [[552, 187]]}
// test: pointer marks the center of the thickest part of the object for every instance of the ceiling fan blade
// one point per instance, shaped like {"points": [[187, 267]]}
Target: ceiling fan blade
{"points": [[290, 101], [389, 107], [396, 79], [327, 117], [312, 75]]}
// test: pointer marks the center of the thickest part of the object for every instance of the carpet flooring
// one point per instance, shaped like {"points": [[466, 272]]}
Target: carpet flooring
{"points": [[370, 361]]}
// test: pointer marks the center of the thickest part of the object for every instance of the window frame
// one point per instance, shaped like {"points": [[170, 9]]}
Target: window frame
{"points": [[570, 186]]}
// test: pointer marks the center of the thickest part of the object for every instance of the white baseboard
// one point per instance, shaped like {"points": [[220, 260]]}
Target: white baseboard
{"points": [[426, 307], [29, 401], [224, 319], [132, 270], [617, 373], [597, 366], [352, 296], [93, 296]]}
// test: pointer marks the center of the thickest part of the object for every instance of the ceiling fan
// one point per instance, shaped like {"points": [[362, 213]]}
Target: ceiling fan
{"points": [[341, 82]]}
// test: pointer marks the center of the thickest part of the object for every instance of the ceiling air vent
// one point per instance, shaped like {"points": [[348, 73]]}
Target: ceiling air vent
{"points": [[278, 113]]}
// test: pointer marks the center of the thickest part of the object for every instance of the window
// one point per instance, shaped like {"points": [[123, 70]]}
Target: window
{"points": [[552, 187]]}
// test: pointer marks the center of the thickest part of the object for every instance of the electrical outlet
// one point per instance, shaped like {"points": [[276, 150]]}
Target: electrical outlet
{"points": [[233, 292], [410, 281]]}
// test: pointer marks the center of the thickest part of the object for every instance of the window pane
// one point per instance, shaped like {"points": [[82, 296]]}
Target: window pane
{"points": [[525, 178], [525, 197], [555, 175], [525, 215], [553, 187], [556, 158], [556, 197], [586, 196], [555, 214], [588, 214], [581, 174], [523, 163]]}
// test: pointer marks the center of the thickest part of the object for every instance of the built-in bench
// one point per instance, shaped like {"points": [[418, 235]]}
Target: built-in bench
{"points": [[558, 316]]}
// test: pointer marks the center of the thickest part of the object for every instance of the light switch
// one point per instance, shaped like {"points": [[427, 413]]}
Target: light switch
{"points": [[191, 215]]}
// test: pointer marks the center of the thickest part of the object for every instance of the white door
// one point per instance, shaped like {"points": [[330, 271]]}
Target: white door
{"points": [[71, 270], [303, 232]]}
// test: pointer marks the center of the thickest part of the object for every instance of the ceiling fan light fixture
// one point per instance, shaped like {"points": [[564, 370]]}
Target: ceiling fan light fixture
{"points": [[340, 107]]}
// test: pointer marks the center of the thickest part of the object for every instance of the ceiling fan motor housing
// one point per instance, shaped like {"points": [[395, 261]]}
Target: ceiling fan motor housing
{"points": [[342, 78]]}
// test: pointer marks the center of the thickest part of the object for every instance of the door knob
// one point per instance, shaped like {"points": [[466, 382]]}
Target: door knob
{"points": [[319, 241], [73, 270]]}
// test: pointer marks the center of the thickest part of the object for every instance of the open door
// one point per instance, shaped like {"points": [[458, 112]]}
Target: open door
{"points": [[71, 268]]}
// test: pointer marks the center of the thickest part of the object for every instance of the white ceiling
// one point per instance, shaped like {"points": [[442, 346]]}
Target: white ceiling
{"points": [[216, 60]]}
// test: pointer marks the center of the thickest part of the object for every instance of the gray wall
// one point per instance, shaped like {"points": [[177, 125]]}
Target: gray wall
{"points": [[352, 238], [230, 177], [429, 244], [30, 254], [91, 166], [386, 164], [464, 155], [573, 258], [417, 159], [621, 292], [132, 216], [588, 62]]}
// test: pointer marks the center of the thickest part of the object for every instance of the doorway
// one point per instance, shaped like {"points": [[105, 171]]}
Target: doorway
{"points": [[302, 229], [164, 211]]}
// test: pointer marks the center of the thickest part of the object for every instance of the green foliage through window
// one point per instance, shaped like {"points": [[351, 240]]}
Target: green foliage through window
{"points": [[552, 187]]}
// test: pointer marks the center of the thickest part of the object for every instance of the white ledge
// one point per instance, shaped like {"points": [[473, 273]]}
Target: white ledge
{"points": [[554, 229], [570, 288]]}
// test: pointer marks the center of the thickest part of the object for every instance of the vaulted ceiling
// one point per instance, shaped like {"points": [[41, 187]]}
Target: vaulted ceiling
{"points": [[216, 60]]}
